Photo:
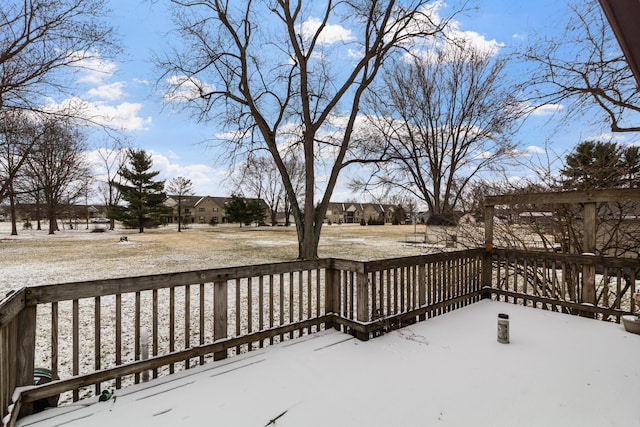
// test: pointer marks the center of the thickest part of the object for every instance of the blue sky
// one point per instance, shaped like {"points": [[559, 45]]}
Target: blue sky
{"points": [[124, 88]]}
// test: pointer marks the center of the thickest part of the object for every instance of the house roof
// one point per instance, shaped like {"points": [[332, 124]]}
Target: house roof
{"points": [[354, 206], [194, 201], [624, 16], [187, 200]]}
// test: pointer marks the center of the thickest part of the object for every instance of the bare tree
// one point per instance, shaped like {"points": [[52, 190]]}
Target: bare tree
{"points": [[517, 226], [602, 165], [584, 67], [87, 190], [180, 187], [112, 159], [276, 78], [39, 40], [261, 179], [592, 165], [437, 122], [16, 138], [56, 165]]}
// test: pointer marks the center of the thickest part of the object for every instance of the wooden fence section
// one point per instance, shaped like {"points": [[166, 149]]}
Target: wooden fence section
{"points": [[575, 284], [16, 366], [99, 325], [78, 329], [91, 334], [406, 290], [376, 296]]}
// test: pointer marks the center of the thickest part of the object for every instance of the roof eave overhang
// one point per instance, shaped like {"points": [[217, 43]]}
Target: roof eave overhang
{"points": [[623, 16]]}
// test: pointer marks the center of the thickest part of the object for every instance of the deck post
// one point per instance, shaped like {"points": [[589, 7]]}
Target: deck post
{"points": [[589, 246], [332, 295], [422, 289], [362, 286], [487, 272], [220, 315], [25, 351]]}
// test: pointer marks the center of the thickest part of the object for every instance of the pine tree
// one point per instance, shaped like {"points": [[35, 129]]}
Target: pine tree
{"points": [[235, 209], [244, 211], [144, 195], [599, 165], [592, 165], [255, 212]]}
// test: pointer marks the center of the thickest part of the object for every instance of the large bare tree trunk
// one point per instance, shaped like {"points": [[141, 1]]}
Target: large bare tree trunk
{"points": [[261, 94], [51, 214], [12, 207]]}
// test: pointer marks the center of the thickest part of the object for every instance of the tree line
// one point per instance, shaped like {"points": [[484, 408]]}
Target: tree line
{"points": [[431, 121], [423, 111]]}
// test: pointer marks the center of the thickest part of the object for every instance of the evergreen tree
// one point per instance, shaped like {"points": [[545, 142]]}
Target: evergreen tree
{"points": [[244, 211], [599, 165], [144, 195], [255, 212], [596, 165], [235, 209]]}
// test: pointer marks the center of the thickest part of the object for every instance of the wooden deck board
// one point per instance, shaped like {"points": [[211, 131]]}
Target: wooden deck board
{"points": [[557, 370]]}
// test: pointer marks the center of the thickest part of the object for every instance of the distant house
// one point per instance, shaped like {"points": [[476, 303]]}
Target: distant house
{"points": [[536, 217], [33, 212], [196, 209], [201, 209], [354, 213]]}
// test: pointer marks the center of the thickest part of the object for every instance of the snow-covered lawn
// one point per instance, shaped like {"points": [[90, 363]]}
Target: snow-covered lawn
{"points": [[558, 370], [36, 258]]}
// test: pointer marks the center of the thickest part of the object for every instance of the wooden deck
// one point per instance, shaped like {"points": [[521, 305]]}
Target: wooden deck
{"points": [[90, 333], [448, 370]]}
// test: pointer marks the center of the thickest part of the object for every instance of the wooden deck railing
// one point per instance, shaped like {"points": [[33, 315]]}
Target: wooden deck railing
{"points": [[575, 284], [91, 333]]}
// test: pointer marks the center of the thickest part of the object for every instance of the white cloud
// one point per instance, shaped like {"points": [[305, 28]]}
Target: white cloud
{"points": [[611, 137], [330, 34], [110, 92], [183, 88], [547, 109], [173, 155], [478, 41], [454, 39], [603, 137], [124, 116], [534, 149], [237, 135], [355, 54], [94, 69], [207, 181], [427, 21]]}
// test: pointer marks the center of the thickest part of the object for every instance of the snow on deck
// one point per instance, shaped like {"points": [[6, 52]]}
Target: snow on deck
{"points": [[558, 370]]}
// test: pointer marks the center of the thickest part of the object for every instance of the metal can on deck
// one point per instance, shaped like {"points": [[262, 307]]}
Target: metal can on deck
{"points": [[503, 328]]}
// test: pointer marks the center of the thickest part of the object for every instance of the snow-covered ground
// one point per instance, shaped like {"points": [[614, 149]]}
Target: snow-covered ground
{"points": [[36, 258], [558, 370]]}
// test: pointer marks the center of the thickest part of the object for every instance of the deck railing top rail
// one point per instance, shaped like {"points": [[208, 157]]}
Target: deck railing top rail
{"points": [[389, 263], [570, 258], [565, 197], [96, 288]]}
